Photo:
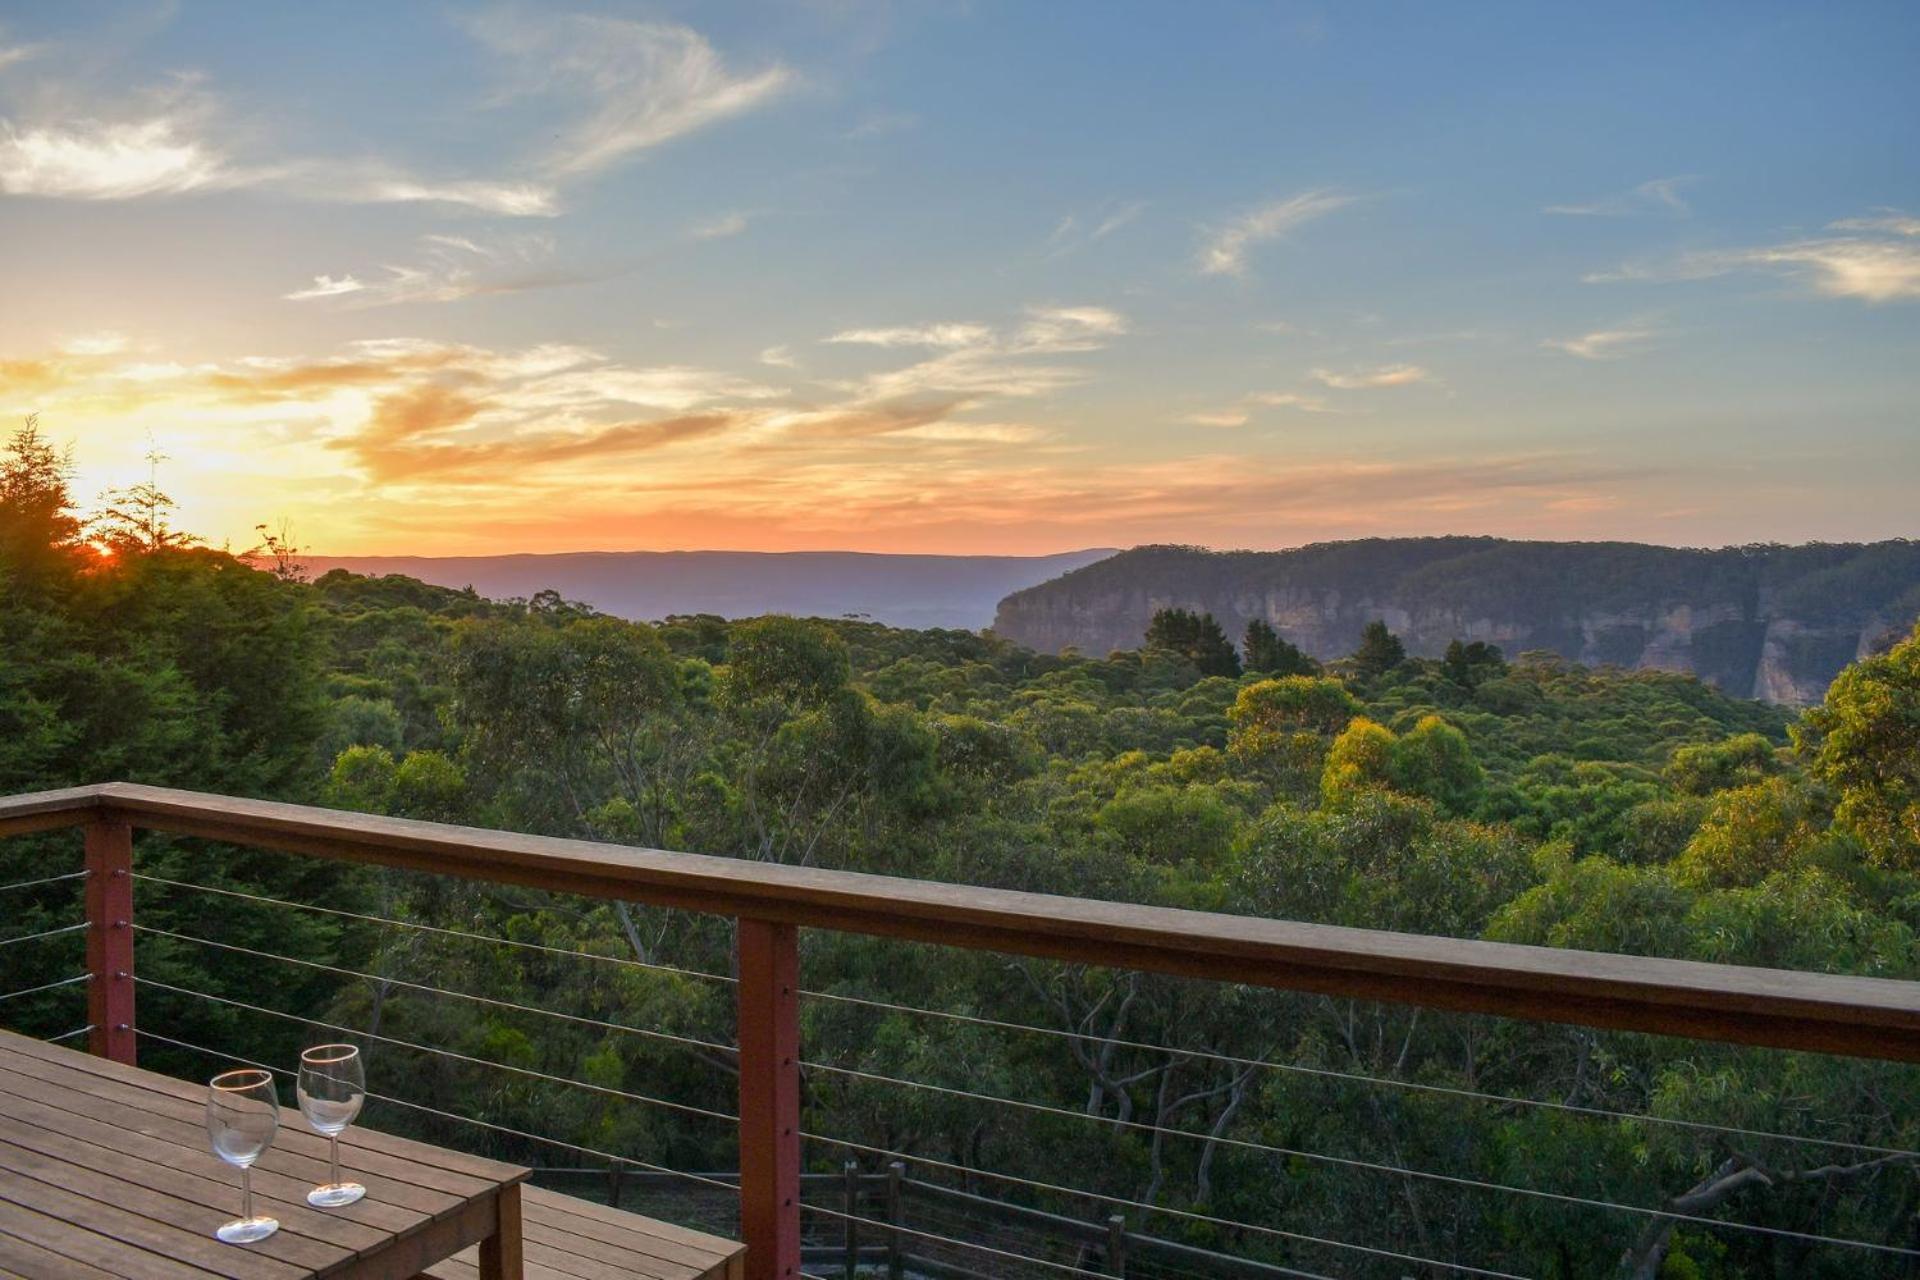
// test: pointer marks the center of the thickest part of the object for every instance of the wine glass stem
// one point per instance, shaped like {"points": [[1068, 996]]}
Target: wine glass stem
{"points": [[246, 1192], [335, 1153]]}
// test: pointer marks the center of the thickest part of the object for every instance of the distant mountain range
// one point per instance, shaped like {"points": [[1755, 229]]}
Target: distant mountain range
{"points": [[900, 590], [1769, 622]]}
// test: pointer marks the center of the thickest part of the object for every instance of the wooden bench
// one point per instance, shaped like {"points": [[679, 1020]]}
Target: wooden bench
{"points": [[567, 1238]]}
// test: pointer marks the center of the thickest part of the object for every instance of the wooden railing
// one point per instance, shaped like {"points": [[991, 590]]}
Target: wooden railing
{"points": [[1860, 1017]]}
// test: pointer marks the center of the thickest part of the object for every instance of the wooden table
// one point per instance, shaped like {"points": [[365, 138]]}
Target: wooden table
{"points": [[105, 1172]]}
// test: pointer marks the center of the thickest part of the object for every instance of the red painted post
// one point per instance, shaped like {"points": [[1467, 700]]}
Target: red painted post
{"points": [[769, 995], [110, 939]]}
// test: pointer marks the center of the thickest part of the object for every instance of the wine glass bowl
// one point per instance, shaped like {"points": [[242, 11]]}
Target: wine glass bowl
{"points": [[243, 1114], [332, 1087]]}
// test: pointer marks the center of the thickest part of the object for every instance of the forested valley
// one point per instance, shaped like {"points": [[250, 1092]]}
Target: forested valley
{"points": [[1514, 797]]}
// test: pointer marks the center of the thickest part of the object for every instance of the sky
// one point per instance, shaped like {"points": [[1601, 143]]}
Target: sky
{"points": [[969, 277]]}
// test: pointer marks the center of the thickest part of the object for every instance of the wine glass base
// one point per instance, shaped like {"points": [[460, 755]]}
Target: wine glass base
{"points": [[248, 1230], [335, 1195]]}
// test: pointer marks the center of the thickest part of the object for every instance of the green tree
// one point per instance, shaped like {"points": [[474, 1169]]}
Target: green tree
{"points": [[1863, 742], [1279, 729], [1380, 650], [1195, 637], [1435, 760], [40, 536], [1469, 665], [138, 520], [1360, 759], [1268, 652], [1702, 768]]}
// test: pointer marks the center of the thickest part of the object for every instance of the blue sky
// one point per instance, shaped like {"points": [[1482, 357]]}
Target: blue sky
{"points": [[971, 277]]}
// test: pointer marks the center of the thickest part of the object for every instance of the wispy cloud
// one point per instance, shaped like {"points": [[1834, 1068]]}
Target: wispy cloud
{"points": [[103, 342], [641, 83], [1241, 412], [1225, 248], [1387, 375], [176, 140], [1867, 268], [933, 335], [1077, 231], [95, 160], [881, 124], [1658, 195], [1217, 418], [1892, 221], [452, 267], [720, 227], [1063, 329], [1289, 400], [409, 409], [977, 363], [324, 286], [1602, 344], [780, 357], [12, 53], [376, 184]]}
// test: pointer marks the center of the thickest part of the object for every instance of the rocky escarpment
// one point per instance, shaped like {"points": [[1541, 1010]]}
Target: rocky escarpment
{"points": [[1770, 622]]}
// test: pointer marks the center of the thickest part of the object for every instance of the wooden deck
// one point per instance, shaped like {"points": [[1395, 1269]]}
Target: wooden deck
{"points": [[572, 1239], [105, 1169], [105, 1172]]}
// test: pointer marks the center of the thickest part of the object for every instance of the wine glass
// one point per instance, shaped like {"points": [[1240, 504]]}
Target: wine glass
{"points": [[243, 1114], [331, 1087]]}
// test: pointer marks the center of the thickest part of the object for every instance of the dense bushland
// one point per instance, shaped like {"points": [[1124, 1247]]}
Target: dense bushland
{"points": [[1514, 797]]}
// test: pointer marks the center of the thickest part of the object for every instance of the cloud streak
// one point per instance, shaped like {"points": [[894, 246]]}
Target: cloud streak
{"points": [[1376, 378], [1225, 249], [94, 160], [1659, 195], [641, 84], [1866, 268], [452, 268], [1601, 344]]}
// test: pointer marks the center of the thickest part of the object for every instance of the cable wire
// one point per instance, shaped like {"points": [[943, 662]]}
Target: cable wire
{"points": [[1358, 1078], [1349, 1162], [650, 1033], [68, 1035], [1001, 1253], [47, 933], [28, 884], [689, 1108], [47, 986], [1187, 1214], [428, 928], [450, 1115]]}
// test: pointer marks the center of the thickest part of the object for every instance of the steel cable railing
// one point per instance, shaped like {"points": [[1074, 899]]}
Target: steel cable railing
{"points": [[46, 986], [43, 934], [712, 1046], [1084, 1038], [452, 1055], [1004, 1255], [30, 884], [417, 927], [376, 1037], [1369, 1166], [508, 1130], [1188, 1215], [1350, 1077]]}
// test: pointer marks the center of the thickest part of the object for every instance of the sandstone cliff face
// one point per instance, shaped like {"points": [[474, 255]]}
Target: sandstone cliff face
{"points": [[1775, 623]]}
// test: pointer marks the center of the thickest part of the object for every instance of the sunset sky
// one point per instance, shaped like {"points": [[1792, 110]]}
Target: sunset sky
{"points": [[993, 277]]}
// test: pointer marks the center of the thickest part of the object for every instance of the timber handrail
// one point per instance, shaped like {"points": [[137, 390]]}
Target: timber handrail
{"points": [[1861, 1017]]}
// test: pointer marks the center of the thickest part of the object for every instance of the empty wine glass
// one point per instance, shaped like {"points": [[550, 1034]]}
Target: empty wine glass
{"points": [[243, 1114], [331, 1087]]}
